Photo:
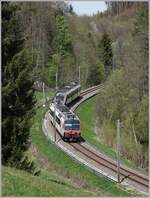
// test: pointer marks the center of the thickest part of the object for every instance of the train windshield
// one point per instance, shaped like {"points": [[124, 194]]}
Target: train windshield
{"points": [[72, 125], [59, 97]]}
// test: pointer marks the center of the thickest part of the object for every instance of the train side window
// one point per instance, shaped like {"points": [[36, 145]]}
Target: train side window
{"points": [[72, 94], [51, 112], [57, 120]]}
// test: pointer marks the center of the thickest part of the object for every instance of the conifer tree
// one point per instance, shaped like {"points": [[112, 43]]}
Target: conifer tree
{"points": [[17, 108], [141, 37], [12, 40], [64, 44], [17, 92], [105, 53], [64, 49]]}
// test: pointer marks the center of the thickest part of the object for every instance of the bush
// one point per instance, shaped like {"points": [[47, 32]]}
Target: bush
{"points": [[29, 166]]}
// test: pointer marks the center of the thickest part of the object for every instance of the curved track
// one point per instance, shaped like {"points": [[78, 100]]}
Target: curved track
{"points": [[125, 173], [129, 176], [91, 89]]}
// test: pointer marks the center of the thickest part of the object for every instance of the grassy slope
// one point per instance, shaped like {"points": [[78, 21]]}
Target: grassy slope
{"points": [[86, 113], [60, 176], [20, 183], [64, 165]]}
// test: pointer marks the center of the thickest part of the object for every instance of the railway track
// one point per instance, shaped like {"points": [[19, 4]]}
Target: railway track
{"points": [[131, 177], [91, 89], [83, 95], [124, 173]]}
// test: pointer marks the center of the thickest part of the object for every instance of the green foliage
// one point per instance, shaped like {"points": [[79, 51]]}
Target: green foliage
{"points": [[48, 74], [29, 166], [62, 42], [64, 68], [96, 74], [140, 35], [101, 70], [17, 107], [119, 101], [63, 59], [125, 94], [52, 74], [12, 40], [63, 39], [103, 135], [141, 29], [113, 101], [15, 93], [105, 53], [142, 121]]}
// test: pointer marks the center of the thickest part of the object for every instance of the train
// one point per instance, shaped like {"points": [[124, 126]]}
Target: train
{"points": [[68, 93], [62, 118]]}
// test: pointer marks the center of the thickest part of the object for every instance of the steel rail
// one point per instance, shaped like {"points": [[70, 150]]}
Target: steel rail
{"points": [[143, 180], [106, 163], [89, 90]]}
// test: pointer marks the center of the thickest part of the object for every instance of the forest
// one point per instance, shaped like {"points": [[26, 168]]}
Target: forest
{"points": [[111, 47]]}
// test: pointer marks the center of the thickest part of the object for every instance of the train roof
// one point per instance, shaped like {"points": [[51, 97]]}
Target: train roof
{"points": [[62, 108], [68, 87], [65, 111]]}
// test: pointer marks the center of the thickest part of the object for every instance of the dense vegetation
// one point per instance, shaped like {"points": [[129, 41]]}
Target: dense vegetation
{"points": [[43, 40], [17, 93], [118, 40], [90, 132], [126, 93]]}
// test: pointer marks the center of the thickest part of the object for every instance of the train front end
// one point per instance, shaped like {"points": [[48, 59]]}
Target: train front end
{"points": [[72, 130]]}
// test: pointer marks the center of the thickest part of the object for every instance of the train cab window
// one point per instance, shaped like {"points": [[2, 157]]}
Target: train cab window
{"points": [[75, 127], [60, 96], [72, 121], [68, 126], [72, 124]]}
